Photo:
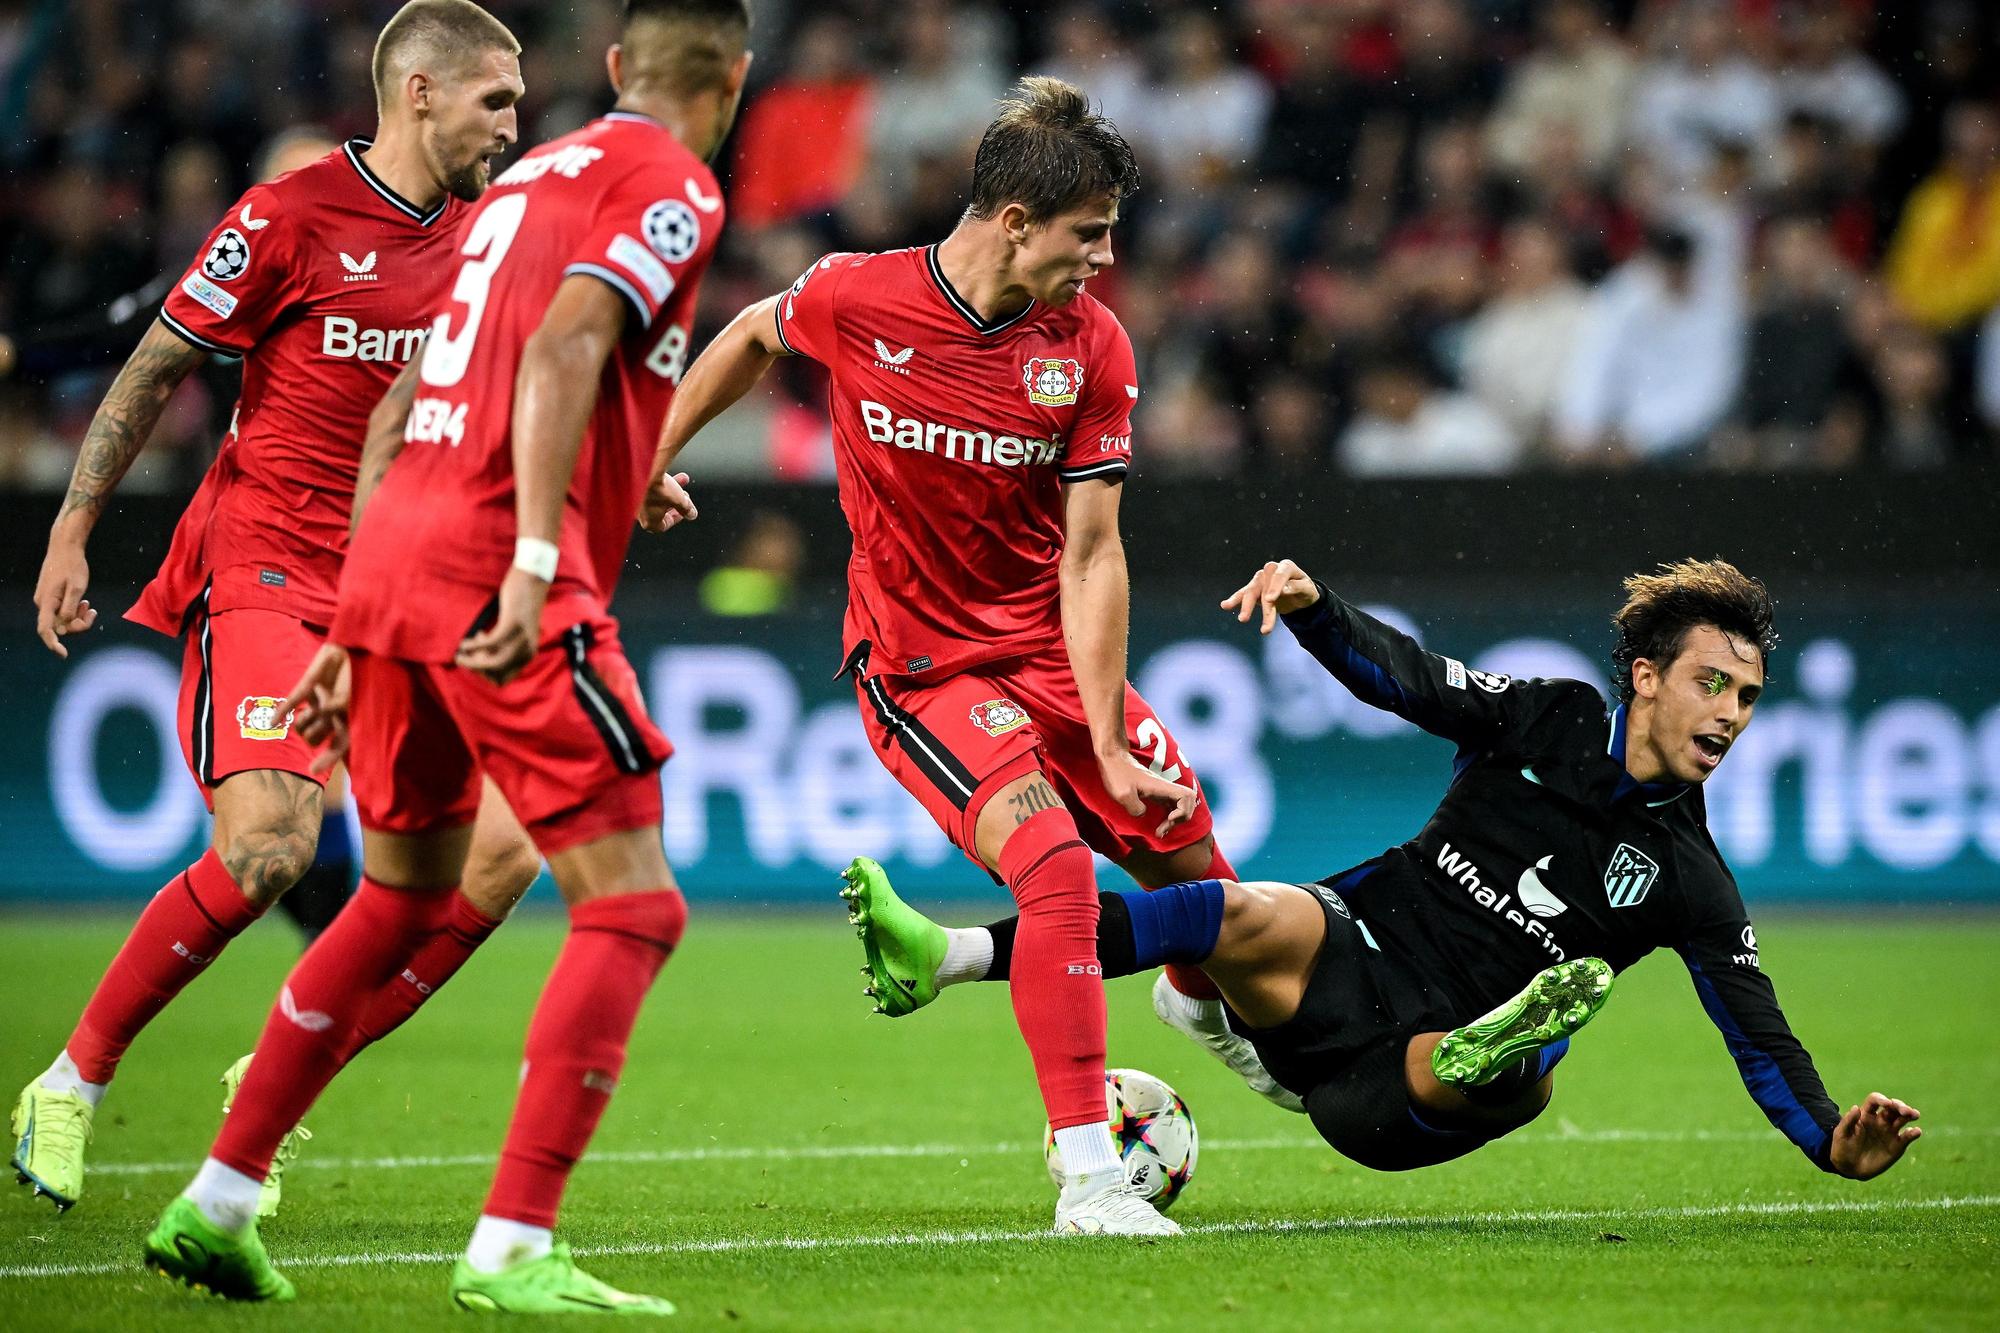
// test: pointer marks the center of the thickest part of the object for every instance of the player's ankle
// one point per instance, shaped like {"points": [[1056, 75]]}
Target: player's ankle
{"points": [[968, 956], [1197, 1012], [64, 1076], [1090, 1159], [498, 1243], [226, 1197]]}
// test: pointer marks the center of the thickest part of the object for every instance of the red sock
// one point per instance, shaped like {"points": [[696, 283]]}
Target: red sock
{"points": [[1189, 980], [465, 929], [181, 931], [1055, 981], [310, 1028], [576, 1045]]}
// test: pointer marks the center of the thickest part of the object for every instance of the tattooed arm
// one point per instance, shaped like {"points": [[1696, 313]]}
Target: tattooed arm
{"points": [[385, 438], [124, 421]]}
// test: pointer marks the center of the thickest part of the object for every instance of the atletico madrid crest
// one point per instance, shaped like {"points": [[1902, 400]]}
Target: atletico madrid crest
{"points": [[1052, 381]]}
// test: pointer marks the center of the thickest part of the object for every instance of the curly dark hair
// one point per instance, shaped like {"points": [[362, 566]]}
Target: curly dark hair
{"points": [[1049, 152], [1661, 607]]}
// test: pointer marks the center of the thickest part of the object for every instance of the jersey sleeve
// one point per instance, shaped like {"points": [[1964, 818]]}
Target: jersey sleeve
{"points": [[242, 279], [653, 231], [805, 314], [1720, 950], [1386, 668], [1100, 442]]}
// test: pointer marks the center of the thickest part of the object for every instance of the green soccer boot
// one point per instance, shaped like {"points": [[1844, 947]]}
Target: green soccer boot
{"points": [[273, 1192], [904, 947], [51, 1130], [552, 1284], [1556, 1004], [196, 1253]]}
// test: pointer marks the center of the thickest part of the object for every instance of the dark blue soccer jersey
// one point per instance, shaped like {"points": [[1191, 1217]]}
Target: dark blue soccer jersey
{"points": [[1544, 848]]}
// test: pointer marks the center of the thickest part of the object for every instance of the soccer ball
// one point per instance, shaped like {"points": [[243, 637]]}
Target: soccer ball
{"points": [[1155, 1134]]}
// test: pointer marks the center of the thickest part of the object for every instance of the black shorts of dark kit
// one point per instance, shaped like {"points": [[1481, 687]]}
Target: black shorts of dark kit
{"points": [[1343, 1051]]}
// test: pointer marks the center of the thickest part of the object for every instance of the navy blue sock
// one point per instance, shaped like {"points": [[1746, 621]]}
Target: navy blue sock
{"points": [[1514, 1081], [1137, 930], [1177, 924]]}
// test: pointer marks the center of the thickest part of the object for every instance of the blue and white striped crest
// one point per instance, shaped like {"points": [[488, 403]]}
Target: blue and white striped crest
{"points": [[1629, 875]]}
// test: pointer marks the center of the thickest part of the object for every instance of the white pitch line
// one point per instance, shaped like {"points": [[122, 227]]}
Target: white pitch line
{"points": [[838, 1151], [1276, 1226]]}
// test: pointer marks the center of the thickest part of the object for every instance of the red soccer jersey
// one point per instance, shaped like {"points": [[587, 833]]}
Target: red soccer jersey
{"points": [[952, 439], [323, 281], [620, 200]]}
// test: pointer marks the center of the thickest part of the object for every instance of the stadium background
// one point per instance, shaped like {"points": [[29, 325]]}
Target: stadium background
{"points": [[1471, 306]]}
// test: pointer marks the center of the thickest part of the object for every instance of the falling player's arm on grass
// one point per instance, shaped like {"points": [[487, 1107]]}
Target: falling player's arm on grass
{"points": [[123, 424], [1386, 668], [727, 369], [1096, 608], [555, 391], [1720, 950]]}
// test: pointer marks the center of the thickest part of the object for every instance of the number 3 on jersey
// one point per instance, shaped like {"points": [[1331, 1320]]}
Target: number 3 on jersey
{"points": [[449, 350]]}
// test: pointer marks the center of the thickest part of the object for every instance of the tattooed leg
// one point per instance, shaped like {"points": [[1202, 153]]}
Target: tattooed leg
{"points": [[266, 830]]}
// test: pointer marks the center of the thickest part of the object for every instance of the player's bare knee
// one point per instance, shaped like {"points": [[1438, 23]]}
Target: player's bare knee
{"points": [[266, 831], [267, 862], [1009, 807], [628, 862], [1252, 914], [501, 867]]}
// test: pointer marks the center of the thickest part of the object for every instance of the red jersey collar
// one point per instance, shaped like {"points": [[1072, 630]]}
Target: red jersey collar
{"points": [[963, 306], [354, 148]]}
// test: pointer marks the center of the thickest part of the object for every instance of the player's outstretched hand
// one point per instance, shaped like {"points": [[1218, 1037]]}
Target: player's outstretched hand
{"points": [[1279, 588], [317, 706], [667, 503], [60, 607], [501, 650], [1132, 785], [1872, 1137]]}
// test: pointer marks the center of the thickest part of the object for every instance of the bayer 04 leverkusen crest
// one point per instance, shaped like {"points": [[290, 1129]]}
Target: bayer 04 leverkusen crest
{"points": [[1052, 381], [997, 717]]}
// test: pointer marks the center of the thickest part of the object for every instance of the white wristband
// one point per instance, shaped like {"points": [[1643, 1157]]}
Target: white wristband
{"points": [[534, 556]]}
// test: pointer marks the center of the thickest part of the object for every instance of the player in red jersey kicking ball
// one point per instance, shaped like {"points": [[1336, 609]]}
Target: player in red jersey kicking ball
{"points": [[321, 280], [981, 407], [474, 636]]}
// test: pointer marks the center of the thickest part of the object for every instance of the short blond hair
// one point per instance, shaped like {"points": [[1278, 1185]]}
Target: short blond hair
{"points": [[446, 36]]}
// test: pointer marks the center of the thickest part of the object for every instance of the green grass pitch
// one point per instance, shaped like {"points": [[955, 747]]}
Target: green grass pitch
{"points": [[778, 1158]]}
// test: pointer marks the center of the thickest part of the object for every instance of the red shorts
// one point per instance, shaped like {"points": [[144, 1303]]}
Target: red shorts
{"points": [[567, 741], [954, 743], [236, 668]]}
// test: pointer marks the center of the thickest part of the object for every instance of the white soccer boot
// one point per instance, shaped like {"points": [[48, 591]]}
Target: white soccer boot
{"points": [[1117, 1210], [1203, 1022]]}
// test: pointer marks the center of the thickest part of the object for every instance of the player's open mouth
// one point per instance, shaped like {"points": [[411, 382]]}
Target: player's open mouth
{"points": [[1710, 748]]}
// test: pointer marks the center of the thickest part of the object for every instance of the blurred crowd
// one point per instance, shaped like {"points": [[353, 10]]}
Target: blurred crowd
{"points": [[1392, 237]]}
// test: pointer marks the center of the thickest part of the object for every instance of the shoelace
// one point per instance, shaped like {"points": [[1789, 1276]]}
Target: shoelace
{"points": [[1125, 1203], [288, 1148], [65, 1126]]}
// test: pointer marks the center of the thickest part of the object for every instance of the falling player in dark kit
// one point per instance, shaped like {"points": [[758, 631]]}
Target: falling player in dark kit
{"points": [[1419, 1002]]}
